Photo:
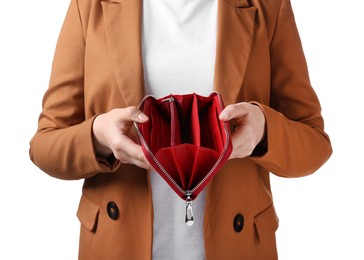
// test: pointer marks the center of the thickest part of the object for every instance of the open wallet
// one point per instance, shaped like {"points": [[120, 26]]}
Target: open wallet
{"points": [[185, 141]]}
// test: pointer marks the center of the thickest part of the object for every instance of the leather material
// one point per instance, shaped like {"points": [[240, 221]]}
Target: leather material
{"points": [[184, 139]]}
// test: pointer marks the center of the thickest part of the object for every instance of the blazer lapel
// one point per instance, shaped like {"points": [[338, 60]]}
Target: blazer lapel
{"points": [[236, 22], [234, 39], [122, 20]]}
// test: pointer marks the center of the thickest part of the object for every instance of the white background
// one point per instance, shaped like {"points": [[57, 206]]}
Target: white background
{"points": [[321, 216]]}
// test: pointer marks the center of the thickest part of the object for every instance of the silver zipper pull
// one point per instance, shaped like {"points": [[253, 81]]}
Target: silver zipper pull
{"points": [[170, 99], [189, 212]]}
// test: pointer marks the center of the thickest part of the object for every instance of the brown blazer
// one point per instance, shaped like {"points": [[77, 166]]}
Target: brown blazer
{"points": [[98, 66]]}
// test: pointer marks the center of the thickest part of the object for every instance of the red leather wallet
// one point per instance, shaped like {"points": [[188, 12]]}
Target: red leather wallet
{"points": [[185, 141]]}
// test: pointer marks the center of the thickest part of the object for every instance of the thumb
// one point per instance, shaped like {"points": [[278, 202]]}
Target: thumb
{"points": [[233, 111], [225, 115], [137, 116]]}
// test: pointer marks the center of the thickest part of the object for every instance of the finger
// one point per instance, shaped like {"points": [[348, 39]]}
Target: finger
{"points": [[131, 152], [234, 111], [140, 164], [126, 159], [132, 114], [136, 115], [243, 143], [141, 161]]}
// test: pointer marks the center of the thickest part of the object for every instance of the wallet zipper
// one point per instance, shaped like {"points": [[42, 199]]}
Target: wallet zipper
{"points": [[189, 212], [189, 220]]}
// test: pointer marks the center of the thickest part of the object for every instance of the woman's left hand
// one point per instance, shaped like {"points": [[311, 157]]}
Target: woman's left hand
{"points": [[248, 127]]}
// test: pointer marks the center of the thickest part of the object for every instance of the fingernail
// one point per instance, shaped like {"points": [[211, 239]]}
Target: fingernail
{"points": [[142, 117], [224, 115]]}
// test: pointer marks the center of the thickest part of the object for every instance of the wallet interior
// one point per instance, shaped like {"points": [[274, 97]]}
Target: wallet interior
{"points": [[185, 135]]}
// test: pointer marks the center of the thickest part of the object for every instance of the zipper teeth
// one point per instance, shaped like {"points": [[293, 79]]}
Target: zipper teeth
{"points": [[187, 192], [211, 171], [160, 165]]}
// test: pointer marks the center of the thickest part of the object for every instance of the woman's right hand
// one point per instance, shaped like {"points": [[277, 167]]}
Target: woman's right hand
{"points": [[112, 135]]}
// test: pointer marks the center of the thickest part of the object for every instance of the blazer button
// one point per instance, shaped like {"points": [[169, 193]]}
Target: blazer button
{"points": [[238, 223], [112, 210]]}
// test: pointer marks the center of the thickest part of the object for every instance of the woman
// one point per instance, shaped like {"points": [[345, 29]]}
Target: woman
{"points": [[110, 54]]}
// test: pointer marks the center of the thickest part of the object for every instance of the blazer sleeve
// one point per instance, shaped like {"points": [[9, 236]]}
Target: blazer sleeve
{"points": [[62, 145], [296, 144]]}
